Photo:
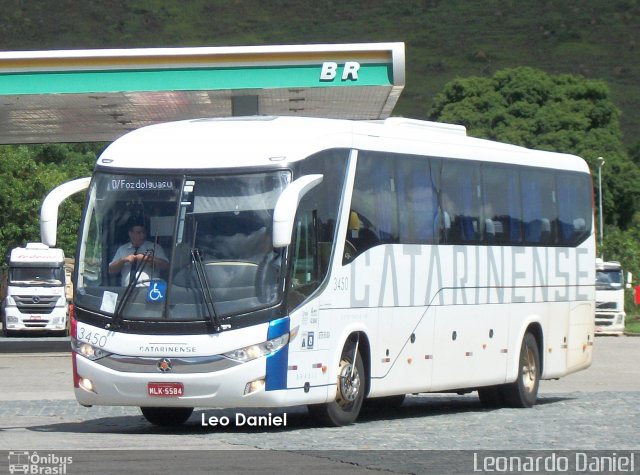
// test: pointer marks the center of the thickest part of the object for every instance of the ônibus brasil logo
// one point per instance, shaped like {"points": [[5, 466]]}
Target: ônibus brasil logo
{"points": [[24, 461]]}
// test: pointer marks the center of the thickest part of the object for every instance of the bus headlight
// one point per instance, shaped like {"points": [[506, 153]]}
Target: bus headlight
{"points": [[252, 352], [88, 351]]}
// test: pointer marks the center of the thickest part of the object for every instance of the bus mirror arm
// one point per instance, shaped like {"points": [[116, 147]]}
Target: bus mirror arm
{"points": [[284, 212], [50, 205]]}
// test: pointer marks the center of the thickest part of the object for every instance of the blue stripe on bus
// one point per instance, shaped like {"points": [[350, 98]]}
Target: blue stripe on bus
{"points": [[277, 363]]}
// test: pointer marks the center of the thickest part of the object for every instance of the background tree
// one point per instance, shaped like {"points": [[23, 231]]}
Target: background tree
{"points": [[28, 174], [634, 153]]}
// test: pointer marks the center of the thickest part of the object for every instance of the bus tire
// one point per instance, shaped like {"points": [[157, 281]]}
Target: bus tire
{"points": [[523, 392], [167, 416], [349, 392]]}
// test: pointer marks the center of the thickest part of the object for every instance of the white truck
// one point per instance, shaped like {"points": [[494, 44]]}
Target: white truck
{"points": [[610, 287], [36, 297]]}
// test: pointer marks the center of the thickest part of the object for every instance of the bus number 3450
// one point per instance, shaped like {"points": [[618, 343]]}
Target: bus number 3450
{"points": [[94, 339], [341, 283]]}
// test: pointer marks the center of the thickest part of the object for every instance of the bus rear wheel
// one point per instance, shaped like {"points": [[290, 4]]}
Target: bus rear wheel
{"points": [[167, 416], [524, 391], [349, 392]]}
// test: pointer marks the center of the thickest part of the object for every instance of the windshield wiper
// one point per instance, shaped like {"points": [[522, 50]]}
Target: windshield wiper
{"points": [[126, 295], [196, 258]]}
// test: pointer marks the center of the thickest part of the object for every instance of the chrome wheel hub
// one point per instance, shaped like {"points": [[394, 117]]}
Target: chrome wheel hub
{"points": [[348, 384]]}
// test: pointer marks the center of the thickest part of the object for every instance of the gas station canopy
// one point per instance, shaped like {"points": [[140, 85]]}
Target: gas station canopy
{"points": [[99, 95]]}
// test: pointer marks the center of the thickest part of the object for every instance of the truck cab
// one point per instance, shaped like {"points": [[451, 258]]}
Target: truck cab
{"points": [[36, 297], [610, 314]]}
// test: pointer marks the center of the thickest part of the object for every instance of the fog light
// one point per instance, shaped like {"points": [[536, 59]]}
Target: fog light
{"points": [[87, 385], [12, 319], [254, 386]]}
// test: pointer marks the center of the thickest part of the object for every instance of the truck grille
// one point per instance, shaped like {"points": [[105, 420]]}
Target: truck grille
{"points": [[35, 303], [606, 305], [35, 323]]}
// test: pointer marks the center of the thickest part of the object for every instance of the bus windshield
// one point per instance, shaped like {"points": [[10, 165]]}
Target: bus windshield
{"points": [[201, 245]]}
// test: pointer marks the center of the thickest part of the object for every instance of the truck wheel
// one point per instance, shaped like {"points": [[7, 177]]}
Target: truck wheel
{"points": [[524, 391], [349, 392], [167, 416]]}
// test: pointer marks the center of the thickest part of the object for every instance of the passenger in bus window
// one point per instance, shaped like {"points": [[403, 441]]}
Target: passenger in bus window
{"points": [[446, 212], [129, 257]]}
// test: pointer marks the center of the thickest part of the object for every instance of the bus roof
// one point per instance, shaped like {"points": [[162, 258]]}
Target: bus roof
{"points": [[261, 141]]}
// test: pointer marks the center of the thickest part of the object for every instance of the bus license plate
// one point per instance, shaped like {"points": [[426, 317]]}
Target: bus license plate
{"points": [[165, 389]]}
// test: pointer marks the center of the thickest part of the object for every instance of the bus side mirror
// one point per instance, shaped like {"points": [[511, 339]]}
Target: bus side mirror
{"points": [[50, 205], [629, 279], [284, 212]]}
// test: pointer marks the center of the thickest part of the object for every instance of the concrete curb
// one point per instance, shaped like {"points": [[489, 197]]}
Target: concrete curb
{"points": [[35, 345]]}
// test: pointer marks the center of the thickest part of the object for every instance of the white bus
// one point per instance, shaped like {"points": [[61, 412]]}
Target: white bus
{"points": [[327, 263]]}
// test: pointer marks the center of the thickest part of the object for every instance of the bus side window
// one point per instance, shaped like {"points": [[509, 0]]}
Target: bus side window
{"points": [[501, 209], [360, 236], [305, 252], [314, 229], [574, 211], [417, 197], [460, 197], [539, 207], [375, 203]]}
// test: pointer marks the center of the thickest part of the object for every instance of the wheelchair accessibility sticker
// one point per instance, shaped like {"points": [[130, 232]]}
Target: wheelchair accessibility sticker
{"points": [[157, 290]]}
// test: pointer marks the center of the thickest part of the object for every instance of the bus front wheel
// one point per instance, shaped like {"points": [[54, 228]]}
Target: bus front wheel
{"points": [[167, 416], [349, 392]]}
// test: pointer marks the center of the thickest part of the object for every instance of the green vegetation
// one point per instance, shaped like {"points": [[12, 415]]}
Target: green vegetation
{"points": [[632, 325], [28, 174]]}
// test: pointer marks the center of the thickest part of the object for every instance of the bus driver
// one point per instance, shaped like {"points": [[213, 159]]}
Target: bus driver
{"points": [[129, 257]]}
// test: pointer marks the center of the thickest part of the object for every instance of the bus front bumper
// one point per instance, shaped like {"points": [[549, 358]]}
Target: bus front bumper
{"points": [[239, 386]]}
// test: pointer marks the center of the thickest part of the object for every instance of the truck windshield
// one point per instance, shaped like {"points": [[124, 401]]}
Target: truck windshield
{"points": [[225, 220], [608, 279], [36, 275]]}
